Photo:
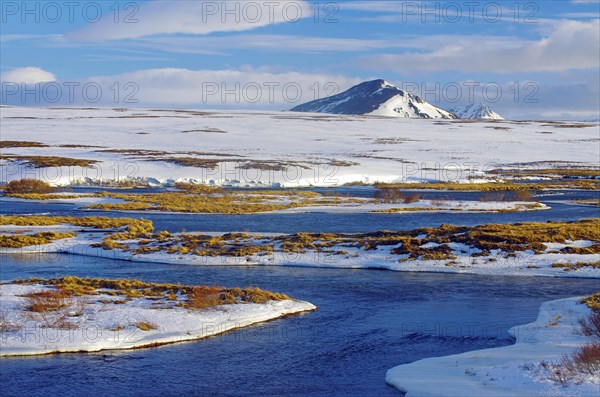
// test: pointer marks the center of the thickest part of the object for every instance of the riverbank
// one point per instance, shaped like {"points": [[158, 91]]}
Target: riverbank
{"points": [[556, 249], [40, 319], [510, 370]]}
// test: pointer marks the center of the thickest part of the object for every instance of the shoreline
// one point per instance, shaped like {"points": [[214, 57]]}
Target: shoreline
{"points": [[500, 371], [95, 331], [372, 262], [454, 206]]}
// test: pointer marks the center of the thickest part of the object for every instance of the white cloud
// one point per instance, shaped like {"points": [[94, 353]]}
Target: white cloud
{"points": [[28, 75], [193, 17], [243, 88], [570, 45]]}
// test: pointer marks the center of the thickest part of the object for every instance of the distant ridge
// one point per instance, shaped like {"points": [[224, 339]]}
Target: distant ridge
{"points": [[378, 98], [476, 111]]}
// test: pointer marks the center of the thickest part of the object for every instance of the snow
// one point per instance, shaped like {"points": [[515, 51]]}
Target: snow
{"points": [[503, 371], [476, 111], [375, 98], [95, 326], [406, 106], [521, 264], [343, 207], [80, 201], [448, 150]]}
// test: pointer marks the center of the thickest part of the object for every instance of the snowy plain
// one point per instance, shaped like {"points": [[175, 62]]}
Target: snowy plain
{"points": [[310, 149]]}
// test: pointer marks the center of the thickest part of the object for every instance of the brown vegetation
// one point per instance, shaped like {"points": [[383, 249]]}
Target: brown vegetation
{"points": [[516, 195], [145, 326], [495, 186], [590, 326], [592, 301], [6, 325], [567, 267], [192, 297], [25, 240], [12, 144], [47, 301], [49, 161], [394, 195], [585, 360], [44, 196], [423, 243], [28, 186], [545, 172], [205, 199], [123, 229]]}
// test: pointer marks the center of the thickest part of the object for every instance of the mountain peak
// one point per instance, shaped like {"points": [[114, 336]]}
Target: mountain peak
{"points": [[476, 111], [378, 98]]}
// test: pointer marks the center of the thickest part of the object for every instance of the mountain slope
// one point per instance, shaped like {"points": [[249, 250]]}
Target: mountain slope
{"points": [[476, 111], [378, 98]]}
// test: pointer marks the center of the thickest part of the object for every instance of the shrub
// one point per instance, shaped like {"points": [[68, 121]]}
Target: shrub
{"points": [[145, 326], [592, 301], [410, 198], [6, 325], [590, 326], [202, 297], [585, 360], [522, 195], [391, 195], [257, 295], [61, 322], [388, 195], [28, 186], [493, 196], [438, 202], [47, 301]]}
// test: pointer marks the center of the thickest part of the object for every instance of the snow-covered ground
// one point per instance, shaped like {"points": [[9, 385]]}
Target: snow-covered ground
{"points": [[423, 205], [356, 205], [524, 263], [505, 371], [107, 326], [310, 149]]}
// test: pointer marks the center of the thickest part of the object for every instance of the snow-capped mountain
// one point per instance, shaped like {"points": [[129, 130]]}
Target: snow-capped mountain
{"points": [[377, 98], [476, 111]]}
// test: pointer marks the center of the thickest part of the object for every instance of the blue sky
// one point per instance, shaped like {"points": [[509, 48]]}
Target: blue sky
{"points": [[524, 59]]}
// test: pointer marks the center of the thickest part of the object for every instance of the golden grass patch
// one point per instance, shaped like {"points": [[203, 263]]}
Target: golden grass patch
{"points": [[190, 297], [592, 301], [494, 186], [24, 240], [49, 161], [204, 199]]}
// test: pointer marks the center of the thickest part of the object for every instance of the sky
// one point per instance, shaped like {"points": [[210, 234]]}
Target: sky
{"points": [[524, 59]]}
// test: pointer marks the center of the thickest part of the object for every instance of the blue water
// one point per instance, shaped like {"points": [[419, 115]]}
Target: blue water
{"points": [[367, 322], [323, 222]]}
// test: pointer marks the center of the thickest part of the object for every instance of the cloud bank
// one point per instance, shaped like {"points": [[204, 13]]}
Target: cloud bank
{"points": [[27, 75], [191, 17]]}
